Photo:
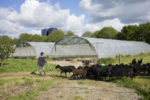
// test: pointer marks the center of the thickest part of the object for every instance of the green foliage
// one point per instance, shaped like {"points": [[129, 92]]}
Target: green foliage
{"points": [[25, 37], [128, 33], [135, 33], [6, 39], [106, 61], [87, 34], [55, 36], [144, 32], [95, 34], [70, 33], [6, 48], [107, 33]]}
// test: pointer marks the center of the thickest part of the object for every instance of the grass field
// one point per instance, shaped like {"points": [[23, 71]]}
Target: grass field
{"points": [[16, 82], [22, 65], [128, 58]]}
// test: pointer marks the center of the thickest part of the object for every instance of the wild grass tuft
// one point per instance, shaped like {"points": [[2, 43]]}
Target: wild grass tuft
{"points": [[142, 87]]}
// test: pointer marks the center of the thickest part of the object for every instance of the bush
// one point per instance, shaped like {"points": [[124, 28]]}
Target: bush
{"points": [[6, 49], [106, 61]]}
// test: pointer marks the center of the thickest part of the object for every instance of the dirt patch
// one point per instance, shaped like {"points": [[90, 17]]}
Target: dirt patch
{"points": [[72, 90], [67, 63], [9, 89]]}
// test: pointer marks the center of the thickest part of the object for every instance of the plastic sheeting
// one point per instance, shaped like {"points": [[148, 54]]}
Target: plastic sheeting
{"points": [[73, 47], [81, 47], [33, 49], [103, 48], [111, 48]]}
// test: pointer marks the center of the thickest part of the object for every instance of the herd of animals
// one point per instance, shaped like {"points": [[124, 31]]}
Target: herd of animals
{"points": [[98, 72]]}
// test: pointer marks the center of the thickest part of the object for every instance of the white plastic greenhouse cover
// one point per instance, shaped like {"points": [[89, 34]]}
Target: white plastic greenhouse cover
{"points": [[73, 47], [103, 48], [26, 49], [111, 48]]}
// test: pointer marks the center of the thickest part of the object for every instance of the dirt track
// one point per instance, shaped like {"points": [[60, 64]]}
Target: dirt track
{"points": [[87, 90], [66, 89]]}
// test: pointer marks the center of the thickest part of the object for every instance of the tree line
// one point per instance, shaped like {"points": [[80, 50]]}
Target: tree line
{"points": [[131, 32]]}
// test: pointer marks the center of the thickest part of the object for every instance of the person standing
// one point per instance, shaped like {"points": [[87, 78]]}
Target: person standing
{"points": [[41, 63]]}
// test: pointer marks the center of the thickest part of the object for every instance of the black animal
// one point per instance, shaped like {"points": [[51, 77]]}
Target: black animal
{"points": [[93, 71], [65, 69], [134, 61], [140, 61]]}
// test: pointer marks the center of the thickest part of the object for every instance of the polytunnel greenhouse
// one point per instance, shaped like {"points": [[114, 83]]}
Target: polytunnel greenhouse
{"points": [[81, 47], [73, 47], [32, 49], [102, 48]]}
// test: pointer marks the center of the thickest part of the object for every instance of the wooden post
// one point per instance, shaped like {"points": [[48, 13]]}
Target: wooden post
{"points": [[119, 59]]}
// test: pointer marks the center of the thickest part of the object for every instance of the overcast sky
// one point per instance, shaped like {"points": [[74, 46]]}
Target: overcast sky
{"points": [[21, 16]]}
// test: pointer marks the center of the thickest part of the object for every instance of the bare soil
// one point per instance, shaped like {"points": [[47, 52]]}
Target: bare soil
{"points": [[66, 89], [67, 63], [97, 90]]}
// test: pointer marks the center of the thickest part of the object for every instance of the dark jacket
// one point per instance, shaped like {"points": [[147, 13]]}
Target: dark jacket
{"points": [[41, 61]]}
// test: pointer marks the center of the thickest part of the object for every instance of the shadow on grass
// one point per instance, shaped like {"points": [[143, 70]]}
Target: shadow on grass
{"points": [[58, 76], [144, 77]]}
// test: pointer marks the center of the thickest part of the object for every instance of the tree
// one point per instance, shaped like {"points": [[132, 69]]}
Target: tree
{"points": [[6, 49], [70, 33], [144, 32], [120, 36], [95, 34], [36, 38], [7, 39], [25, 37], [107, 32], [87, 34], [129, 32], [55, 36]]}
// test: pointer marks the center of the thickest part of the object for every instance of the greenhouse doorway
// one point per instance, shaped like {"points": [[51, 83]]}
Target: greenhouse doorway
{"points": [[74, 49]]}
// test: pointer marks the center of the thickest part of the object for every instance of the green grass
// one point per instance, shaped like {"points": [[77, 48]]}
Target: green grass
{"points": [[46, 85], [128, 58], [141, 85], [25, 96], [22, 65], [86, 82], [78, 98], [106, 61], [42, 85], [4, 81]]}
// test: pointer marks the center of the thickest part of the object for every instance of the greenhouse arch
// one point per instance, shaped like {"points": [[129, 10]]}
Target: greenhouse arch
{"points": [[73, 47], [32, 49]]}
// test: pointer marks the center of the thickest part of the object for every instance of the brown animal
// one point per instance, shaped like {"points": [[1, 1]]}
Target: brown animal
{"points": [[79, 72]]}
